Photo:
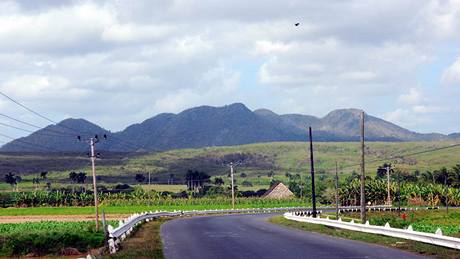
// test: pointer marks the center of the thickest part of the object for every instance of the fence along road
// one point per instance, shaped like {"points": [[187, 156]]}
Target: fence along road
{"points": [[431, 238]]}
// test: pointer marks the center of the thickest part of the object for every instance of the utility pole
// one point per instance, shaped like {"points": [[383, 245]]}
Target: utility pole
{"points": [[388, 185], [232, 169], [447, 192], [312, 170], [93, 166], [233, 186], [399, 192], [363, 198], [336, 191], [92, 142]]}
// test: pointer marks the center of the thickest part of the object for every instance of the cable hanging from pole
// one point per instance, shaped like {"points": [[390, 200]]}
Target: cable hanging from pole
{"points": [[32, 132], [397, 156], [64, 126], [34, 126], [32, 144]]}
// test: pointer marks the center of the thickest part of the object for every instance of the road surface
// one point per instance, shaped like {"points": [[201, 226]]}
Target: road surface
{"points": [[251, 236]]}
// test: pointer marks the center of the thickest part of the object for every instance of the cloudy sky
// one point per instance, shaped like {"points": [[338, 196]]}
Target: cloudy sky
{"points": [[118, 62]]}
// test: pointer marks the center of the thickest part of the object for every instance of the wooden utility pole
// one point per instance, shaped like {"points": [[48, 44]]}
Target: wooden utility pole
{"points": [[92, 143], [388, 185], [336, 191], [312, 170], [399, 192], [233, 186], [446, 190], [363, 198], [93, 167]]}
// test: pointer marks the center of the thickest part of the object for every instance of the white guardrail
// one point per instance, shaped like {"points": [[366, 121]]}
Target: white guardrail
{"points": [[126, 227], [436, 239]]}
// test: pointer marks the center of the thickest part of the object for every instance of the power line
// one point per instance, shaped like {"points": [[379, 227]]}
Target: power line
{"points": [[33, 125], [27, 108], [31, 131], [403, 155], [31, 144], [63, 126]]}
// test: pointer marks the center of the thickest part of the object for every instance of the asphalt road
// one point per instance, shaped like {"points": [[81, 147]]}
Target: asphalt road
{"points": [[251, 236]]}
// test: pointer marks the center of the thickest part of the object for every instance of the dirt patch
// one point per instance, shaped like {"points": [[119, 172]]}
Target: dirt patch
{"points": [[22, 219]]}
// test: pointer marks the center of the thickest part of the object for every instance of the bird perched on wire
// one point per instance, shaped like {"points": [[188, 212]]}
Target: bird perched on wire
{"points": [[297, 24]]}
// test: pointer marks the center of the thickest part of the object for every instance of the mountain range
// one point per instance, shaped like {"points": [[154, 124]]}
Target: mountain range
{"points": [[205, 126]]}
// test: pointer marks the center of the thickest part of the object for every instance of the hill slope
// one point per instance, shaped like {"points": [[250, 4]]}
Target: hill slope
{"points": [[61, 137], [206, 126]]}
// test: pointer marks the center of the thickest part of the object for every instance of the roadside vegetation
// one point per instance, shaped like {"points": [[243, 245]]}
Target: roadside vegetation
{"points": [[48, 237], [145, 243], [421, 220], [163, 204], [408, 245]]}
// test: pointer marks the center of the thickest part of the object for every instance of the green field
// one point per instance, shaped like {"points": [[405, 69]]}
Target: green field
{"points": [[258, 161], [177, 204], [48, 237]]}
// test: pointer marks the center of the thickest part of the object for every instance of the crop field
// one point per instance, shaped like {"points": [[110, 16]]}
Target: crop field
{"points": [[259, 160], [48, 237], [129, 207]]}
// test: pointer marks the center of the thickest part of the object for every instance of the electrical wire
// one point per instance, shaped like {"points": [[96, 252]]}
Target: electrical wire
{"points": [[31, 144], [398, 156], [63, 126], [27, 108], [35, 126], [31, 131]]}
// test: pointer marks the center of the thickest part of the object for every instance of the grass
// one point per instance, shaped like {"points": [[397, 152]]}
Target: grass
{"points": [[145, 243], [408, 245]]}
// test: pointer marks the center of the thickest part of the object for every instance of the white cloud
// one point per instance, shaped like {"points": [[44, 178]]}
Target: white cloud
{"points": [[137, 59], [412, 97], [70, 29], [451, 76], [405, 117], [424, 109], [135, 33], [29, 87]]}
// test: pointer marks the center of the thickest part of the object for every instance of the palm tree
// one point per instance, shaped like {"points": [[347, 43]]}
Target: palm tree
{"points": [[81, 178], [428, 176], [140, 178], [11, 179], [218, 181], [36, 182], [44, 176], [73, 178], [456, 175]]}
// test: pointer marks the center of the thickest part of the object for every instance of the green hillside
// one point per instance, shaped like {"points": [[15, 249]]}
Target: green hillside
{"points": [[260, 159], [293, 157]]}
